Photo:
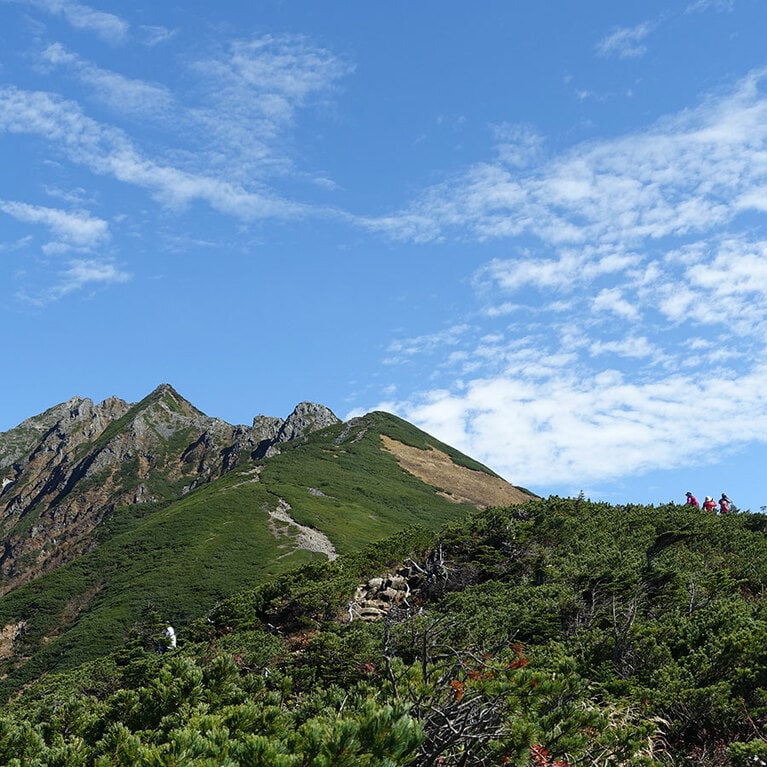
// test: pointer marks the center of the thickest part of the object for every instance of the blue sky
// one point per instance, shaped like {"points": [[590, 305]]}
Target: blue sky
{"points": [[535, 230]]}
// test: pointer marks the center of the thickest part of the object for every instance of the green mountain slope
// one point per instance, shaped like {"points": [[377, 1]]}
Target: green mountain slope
{"points": [[327, 493], [554, 633]]}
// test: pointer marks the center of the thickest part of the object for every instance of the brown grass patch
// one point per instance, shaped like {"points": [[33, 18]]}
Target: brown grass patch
{"points": [[456, 483]]}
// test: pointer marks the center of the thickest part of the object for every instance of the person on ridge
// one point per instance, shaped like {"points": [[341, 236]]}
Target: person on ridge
{"points": [[692, 500], [724, 504], [709, 504]]}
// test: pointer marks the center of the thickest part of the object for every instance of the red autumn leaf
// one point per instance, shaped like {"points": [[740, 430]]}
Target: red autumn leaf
{"points": [[457, 688]]}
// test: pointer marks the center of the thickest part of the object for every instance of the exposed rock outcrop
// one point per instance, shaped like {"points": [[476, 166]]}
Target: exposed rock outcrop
{"points": [[375, 598], [307, 417]]}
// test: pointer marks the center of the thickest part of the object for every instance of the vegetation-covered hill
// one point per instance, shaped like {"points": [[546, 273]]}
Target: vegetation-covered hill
{"points": [[320, 494], [557, 632]]}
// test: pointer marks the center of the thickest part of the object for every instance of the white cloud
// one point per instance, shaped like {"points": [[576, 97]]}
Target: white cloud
{"points": [[402, 349], [571, 267], [79, 274], [106, 150], [612, 300], [107, 26], [253, 91], [222, 149], [686, 174], [80, 229], [518, 145], [625, 42], [631, 320], [633, 346], [721, 283], [154, 35], [737, 272], [704, 5], [82, 272], [596, 428], [73, 232], [122, 94]]}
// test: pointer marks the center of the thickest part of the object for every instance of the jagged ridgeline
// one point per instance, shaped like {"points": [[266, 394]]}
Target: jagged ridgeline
{"points": [[112, 510]]}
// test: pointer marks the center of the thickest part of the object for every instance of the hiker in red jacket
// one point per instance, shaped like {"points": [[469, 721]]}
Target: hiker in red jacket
{"points": [[692, 501], [724, 504], [709, 504]]}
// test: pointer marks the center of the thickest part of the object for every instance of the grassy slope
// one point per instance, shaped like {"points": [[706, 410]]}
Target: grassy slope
{"points": [[366, 494], [180, 558]]}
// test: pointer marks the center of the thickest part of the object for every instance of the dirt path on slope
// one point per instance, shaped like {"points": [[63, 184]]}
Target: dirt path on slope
{"points": [[305, 538]]}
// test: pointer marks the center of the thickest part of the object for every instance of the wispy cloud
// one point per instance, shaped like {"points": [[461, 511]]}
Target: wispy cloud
{"points": [[401, 350], [517, 145], [80, 230], [704, 5], [632, 346], [569, 267], [155, 35], [625, 42], [222, 150], [78, 274], [107, 150], [688, 173], [122, 94], [253, 90], [224, 141], [107, 26], [72, 232], [83, 272]]}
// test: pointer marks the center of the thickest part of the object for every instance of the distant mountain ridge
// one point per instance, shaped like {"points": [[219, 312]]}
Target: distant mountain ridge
{"points": [[65, 469]]}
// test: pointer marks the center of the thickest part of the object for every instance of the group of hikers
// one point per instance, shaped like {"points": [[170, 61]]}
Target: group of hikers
{"points": [[709, 504]]}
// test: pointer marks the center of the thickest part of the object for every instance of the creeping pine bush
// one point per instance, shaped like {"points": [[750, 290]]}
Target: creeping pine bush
{"points": [[563, 632]]}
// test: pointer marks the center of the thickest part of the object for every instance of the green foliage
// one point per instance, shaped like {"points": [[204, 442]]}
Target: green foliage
{"points": [[556, 633], [195, 714]]}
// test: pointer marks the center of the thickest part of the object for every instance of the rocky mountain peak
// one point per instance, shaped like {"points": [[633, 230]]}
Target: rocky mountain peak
{"points": [[306, 418], [69, 467], [167, 398]]}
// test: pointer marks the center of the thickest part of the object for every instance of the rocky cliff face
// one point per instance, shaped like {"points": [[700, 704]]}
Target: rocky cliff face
{"points": [[306, 418], [63, 471]]}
